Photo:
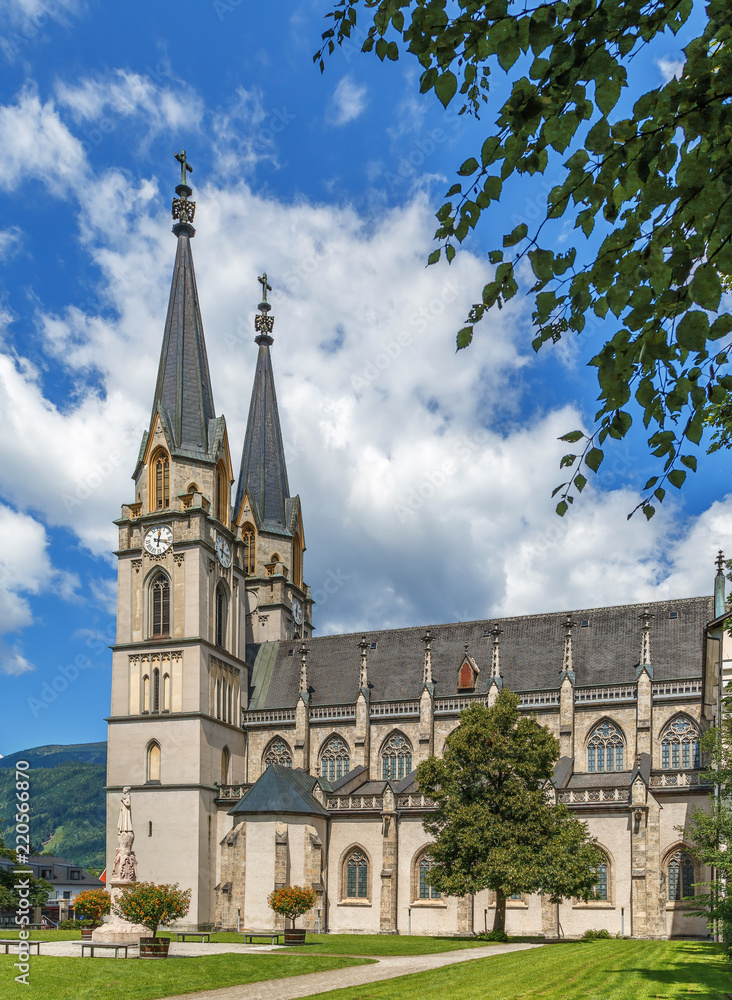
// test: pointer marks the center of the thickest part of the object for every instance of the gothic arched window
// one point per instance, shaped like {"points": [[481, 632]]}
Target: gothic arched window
{"points": [[297, 561], [278, 752], [356, 875], [152, 764], [396, 757], [159, 481], [605, 748], [222, 494], [680, 744], [145, 693], [160, 609], [335, 759], [166, 692], [424, 890], [680, 875], [601, 888], [221, 603], [249, 540], [225, 766], [156, 690]]}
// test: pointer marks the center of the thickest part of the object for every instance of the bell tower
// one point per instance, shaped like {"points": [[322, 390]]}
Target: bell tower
{"points": [[267, 518], [179, 675]]}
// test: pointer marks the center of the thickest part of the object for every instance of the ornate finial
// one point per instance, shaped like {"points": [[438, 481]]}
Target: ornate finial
{"points": [[567, 663], [719, 587], [363, 677], [183, 210], [303, 651], [427, 672], [264, 323], [720, 561], [645, 657], [496, 633]]}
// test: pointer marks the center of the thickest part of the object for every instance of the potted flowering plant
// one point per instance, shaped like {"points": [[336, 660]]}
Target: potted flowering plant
{"points": [[154, 906], [91, 906], [292, 901]]}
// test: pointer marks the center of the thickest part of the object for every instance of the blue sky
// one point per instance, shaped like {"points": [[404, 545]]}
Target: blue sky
{"points": [[425, 475]]}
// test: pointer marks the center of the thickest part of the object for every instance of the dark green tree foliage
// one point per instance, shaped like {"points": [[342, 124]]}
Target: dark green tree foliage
{"points": [[9, 897], [496, 825], [711, 830], [647, 185]]}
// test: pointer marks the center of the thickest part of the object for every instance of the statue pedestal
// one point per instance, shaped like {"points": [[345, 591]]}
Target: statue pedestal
{"points": [[117, 928]]}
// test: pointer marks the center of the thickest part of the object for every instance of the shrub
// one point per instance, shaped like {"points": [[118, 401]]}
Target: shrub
{"points": [[291, 901], [152, 905], [69, 925], [592, 935], [92, 905], [496, 935]]}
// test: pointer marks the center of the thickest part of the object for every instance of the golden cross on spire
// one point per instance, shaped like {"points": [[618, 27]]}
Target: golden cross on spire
{"points": [[264, 323], [266, 287], [184, 167]]}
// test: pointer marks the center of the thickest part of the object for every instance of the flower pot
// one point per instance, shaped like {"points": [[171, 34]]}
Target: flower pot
{"points": [[154, 947], [295, 935]]}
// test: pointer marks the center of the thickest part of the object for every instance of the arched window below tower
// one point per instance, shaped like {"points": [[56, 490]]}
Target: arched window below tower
{"points": [[159, 480], [166, 692], [680, 744], [601, 890], [225, 766], [221, 610], [152, 768], [145, 693], [605, 748], [396, 757], [160, 607], [278, 752], [335, 759], [355, 875], [249, 541], [680, 874], [156, 690]]}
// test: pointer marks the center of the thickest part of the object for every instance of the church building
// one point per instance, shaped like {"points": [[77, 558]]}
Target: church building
{"points": [[257, 755]]}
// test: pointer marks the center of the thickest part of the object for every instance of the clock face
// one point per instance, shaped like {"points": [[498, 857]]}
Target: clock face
{"points": [[223, 551], [158, 540], [297, 611]]}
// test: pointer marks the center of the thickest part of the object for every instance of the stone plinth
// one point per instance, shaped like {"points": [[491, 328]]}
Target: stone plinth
{"points": [[117, 928]]}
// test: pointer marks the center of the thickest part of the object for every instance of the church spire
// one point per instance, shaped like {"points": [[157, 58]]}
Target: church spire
{"points": [[263, 474], [183, 396]]}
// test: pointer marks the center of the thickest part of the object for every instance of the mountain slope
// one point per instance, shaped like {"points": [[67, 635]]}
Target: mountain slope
{"points": [[67, 800]]}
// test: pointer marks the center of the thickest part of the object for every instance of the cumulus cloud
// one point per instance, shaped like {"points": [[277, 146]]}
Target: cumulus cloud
{"points": [[670, 68], [246, 133], [348, 102], [25, 569]]}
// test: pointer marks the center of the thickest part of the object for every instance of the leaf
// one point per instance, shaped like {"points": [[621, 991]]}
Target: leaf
{"points": [[562, 508], [450, 253], [434, 256], [446, 87], [469, 167], [572, 437], [705, 287], [648, 510], [593, 458], [692, 331], [464, 337], [518, 234], [689, 461], [676, 477], [659, 494], [580, 482]]}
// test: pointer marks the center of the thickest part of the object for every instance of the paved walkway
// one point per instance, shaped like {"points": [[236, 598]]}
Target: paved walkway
{"points": [[386, 967]]}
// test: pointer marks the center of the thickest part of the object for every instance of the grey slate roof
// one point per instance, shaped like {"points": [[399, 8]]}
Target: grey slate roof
{"points": [[280, 790], [263, 472], [183, 391], [607, 651]]}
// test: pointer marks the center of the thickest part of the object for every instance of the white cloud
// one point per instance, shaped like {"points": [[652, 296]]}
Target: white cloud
{"points": [[348, 102], [25, 569], [670, 68], [10, 240], [246, 133]]}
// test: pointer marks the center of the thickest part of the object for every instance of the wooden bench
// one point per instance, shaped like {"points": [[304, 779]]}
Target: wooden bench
{"points": [[205, 936], [8, 941], [117, 945], [272, 936]]}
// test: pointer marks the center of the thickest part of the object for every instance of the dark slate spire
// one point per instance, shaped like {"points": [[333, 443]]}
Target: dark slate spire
{"points": [[263, 474], [183, 395]]}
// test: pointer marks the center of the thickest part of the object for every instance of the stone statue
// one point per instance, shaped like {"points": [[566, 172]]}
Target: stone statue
{"points": [[125, 862], [124, 823]]}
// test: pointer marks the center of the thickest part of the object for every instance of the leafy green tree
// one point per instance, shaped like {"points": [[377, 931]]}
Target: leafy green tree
{"points": [[152, 905], [496, 825], [647, 185], [292, 901], [9, 894], [711, 830]]}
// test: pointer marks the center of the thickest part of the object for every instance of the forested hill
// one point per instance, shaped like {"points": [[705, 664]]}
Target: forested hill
{"points": [[67, 800]]}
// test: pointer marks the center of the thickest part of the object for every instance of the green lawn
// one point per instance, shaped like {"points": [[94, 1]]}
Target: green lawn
{"points": [[599, 970], [91, 978], [49, 935], [370, 944]]}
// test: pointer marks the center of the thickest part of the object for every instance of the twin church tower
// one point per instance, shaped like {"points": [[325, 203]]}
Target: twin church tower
{"points": [[199, 580]]}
